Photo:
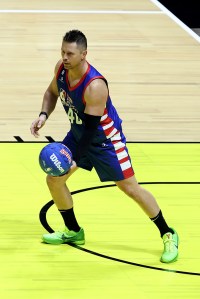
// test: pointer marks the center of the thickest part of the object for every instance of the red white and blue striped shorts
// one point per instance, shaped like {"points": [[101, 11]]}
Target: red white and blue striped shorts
{"points": [[110, 159]]}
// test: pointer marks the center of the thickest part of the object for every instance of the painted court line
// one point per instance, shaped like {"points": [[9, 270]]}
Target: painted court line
{"points": [[43, 220], [163, 10], [60, 11], [176, 20]]}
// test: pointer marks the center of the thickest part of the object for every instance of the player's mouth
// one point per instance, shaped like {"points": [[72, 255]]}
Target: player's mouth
{"points": [[66, 63]]}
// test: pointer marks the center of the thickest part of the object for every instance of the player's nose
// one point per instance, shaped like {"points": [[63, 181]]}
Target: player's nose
{"points": [[65, 57]]}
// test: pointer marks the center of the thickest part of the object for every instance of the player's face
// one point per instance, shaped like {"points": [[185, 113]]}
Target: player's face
{"points": [[72, 55]]}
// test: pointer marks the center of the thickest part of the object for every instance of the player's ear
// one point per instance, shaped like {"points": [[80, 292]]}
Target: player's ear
{"points": [[84, 53]]}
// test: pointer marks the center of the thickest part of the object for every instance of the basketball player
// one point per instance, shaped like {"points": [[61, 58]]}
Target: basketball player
{"points": [[95, 140]]}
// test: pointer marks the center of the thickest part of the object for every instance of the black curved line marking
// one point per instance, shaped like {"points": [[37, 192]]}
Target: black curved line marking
{"points": [[43, 220], [132, 263], [46, 207]]}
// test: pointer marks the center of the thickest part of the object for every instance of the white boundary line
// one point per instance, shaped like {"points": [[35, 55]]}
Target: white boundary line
{"points": [[50, 11], [163, 10], [174, 18]]}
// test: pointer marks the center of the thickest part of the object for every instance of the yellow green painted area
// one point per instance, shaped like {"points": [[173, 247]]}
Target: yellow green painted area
{"points": [[114, 226]]}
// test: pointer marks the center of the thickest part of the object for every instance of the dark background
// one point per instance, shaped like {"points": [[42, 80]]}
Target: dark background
{"points": [[187, 11]]}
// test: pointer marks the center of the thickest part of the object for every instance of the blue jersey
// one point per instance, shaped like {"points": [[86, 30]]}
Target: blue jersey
{"points": [[107, 153], [73, 101]]}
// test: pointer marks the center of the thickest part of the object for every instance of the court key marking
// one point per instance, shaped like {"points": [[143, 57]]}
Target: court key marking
{"points": [[43, 220]]}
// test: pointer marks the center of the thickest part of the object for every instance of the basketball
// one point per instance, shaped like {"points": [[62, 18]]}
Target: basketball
{"points": [[55, 159]]}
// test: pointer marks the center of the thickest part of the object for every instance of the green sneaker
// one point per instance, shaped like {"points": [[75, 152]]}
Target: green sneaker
{"points": [[170, 252], [66, 236]]}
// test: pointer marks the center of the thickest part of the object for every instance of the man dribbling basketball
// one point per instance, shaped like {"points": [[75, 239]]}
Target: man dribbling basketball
{"points": [[95, 140]]}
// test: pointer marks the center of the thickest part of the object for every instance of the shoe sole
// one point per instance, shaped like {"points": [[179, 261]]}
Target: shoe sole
{"points": [[168, 262], [80, 242]]}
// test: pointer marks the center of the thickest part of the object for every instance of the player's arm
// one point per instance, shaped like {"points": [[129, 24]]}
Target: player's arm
{"points": [[95, 96], [51, 94], [48, 105]]}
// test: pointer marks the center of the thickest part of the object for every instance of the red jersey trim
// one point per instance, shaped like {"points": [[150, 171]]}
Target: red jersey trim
{"points": [[128, 173], [124, 160], [59, 70], [81, 80]]}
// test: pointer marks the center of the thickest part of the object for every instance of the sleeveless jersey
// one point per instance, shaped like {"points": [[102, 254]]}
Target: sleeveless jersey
{"points": [[73, 101]]}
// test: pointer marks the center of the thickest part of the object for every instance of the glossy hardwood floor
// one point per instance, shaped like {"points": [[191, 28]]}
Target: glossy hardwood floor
{"points": [[151, 63]]}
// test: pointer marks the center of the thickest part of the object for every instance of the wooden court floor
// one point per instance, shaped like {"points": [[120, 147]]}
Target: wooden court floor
{"points": [[152, 65]]}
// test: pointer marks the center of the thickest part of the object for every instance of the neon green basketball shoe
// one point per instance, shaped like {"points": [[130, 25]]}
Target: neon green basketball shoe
{"points": [[170, 252], [65, 236]]}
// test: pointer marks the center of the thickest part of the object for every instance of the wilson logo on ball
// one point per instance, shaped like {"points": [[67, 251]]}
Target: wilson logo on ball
{"points": [[55, 159], [56, 162]]}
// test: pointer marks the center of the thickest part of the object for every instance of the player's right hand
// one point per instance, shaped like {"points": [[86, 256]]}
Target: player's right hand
{"points": [[37, 125]]}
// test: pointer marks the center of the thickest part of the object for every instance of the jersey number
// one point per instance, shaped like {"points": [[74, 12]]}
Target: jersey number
{"points": [[73, 117]]}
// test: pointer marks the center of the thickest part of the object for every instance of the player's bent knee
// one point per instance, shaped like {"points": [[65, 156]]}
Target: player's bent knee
{"points": [[60, 180], [55, 180], [133, 192]]}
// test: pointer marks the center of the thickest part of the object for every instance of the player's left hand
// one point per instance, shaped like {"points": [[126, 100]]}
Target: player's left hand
{"points": [[37, 125]]}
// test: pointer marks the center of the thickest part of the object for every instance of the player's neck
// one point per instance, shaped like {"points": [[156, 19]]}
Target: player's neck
{"points": [[78, 71]]}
